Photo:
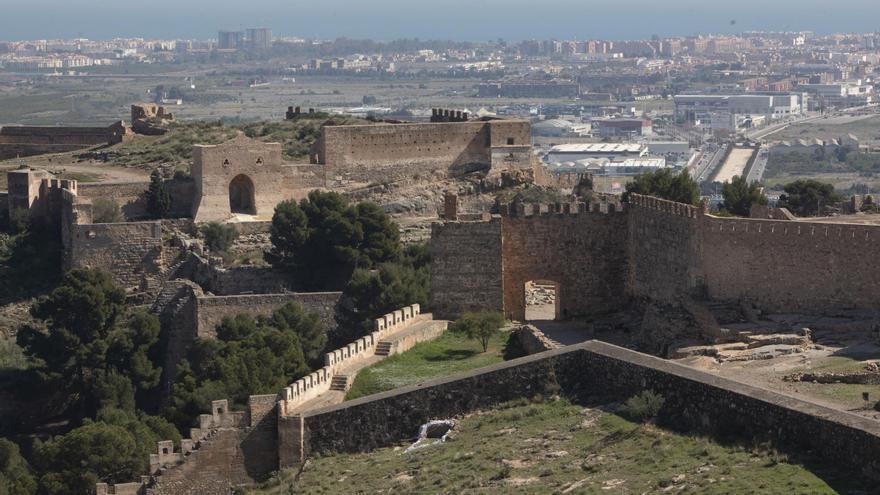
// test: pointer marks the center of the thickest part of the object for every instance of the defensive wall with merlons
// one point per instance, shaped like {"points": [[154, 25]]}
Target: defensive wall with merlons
{"points": [[604, 255]]}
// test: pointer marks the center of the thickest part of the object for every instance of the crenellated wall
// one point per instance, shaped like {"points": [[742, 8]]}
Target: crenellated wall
{"points": [[656, 250], [319, 381], [791, 266], [465, 267], [663, 247], [582, 251]]}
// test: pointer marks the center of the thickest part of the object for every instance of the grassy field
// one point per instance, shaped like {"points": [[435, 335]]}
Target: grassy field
{"points": [[449, 354], [558, 447]]}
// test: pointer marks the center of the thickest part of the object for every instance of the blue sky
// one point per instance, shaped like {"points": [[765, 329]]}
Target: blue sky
{"points": [[436, 19]]}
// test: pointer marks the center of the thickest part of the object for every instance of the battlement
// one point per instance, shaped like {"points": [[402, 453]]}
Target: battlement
{"points": [[665, 206], [446, 115], [518, 209], [792, 228], [318, 382]]}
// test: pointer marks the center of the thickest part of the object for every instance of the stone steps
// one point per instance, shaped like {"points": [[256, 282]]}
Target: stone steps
{"points": [[341, 383], [383, 348]]}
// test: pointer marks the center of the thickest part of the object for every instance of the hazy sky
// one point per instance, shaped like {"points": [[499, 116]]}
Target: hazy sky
{"points": [[430, 19]]}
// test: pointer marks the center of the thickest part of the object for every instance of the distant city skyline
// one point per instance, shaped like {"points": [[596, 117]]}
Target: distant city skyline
{"points": [[442, 19]]}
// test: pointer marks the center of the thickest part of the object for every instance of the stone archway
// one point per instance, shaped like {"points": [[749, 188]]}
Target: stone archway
{"points": [[241, 195]]}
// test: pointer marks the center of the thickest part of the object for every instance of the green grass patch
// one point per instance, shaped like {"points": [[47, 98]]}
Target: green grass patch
{"points": [[558, 447], [449, 354]]}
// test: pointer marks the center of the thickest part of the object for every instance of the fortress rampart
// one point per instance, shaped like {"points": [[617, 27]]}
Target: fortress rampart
{"points": [[37, 140], [654, 249], [388, 152]]}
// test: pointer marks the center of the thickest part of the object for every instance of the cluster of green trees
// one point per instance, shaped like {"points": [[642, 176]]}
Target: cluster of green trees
{"points": [[740, 195], [807, 197], [249, 356], [325, 243], [97, 362], [665, 184], [93, 359], [804, 197], [322, 239]]}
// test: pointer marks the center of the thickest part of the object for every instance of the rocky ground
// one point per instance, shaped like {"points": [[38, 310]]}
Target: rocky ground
{"points": [[829, 359]]}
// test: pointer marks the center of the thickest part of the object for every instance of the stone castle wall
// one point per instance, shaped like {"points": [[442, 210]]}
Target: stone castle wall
{"points": [[465, 267], [131, 200], [663, 247], [655, 250], [132, 252], [791, 266], [388, 152], [582, 251], [591, 373], [37, 140]]}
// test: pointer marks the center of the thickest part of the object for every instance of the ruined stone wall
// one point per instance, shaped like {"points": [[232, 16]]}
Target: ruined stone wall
{"points": [[131, 251], [593, 372], [791, 266], [465, 267], [664, 249], [210, 310], [222, 281], [131, 199], [584, 252], [38, 140], [387, 152], [242, 453]]}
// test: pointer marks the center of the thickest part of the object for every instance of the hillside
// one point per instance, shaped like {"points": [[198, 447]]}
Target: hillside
{"points": [[559, 447]]}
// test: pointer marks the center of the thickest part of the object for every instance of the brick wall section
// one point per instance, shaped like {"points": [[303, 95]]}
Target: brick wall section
{"points": [[210, 310], [466, 267], [596, 372], [584, 252]]}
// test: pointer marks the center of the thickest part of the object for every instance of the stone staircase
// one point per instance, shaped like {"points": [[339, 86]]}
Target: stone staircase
{"points": [[383, 348], [340, 383]]}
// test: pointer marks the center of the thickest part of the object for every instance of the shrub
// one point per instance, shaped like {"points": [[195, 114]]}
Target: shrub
{"points": [[642, 406], [106, 210], [218, 237], [482, 326]]}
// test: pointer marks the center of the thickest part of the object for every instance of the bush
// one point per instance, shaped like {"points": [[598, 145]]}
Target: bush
{"points": [[106, 210], [642, 406], [218, 237]]}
